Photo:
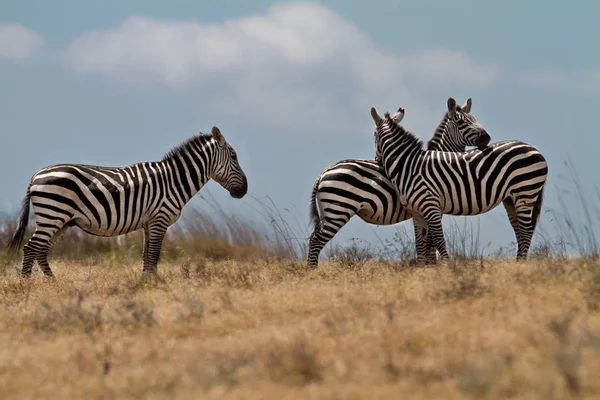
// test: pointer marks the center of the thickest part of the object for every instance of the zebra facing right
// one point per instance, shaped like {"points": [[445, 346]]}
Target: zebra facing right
{"points": [[360, 187], [112, 201]]}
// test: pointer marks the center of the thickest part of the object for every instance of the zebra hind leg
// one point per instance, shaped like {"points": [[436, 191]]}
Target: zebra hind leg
{"points": [[37, 246], [526, 227], [509, 206], [318, 239], [324, 231], [42, 257], [30, 253]]}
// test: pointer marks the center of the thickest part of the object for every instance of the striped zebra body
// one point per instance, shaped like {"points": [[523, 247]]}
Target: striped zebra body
{"points": [[361, 187], [434, 183], [112, 201]]}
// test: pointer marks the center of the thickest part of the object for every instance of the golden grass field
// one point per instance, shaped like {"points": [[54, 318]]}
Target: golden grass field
{"points": [[492, 329]]}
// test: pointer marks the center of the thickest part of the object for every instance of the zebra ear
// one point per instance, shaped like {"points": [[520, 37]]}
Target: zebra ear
{"points": [[216, 132], [467, 106], [375, 116], [451, 106], [399, 116]]}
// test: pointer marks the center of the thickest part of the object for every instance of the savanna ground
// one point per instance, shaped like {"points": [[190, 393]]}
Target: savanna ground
{"points": [[234, 314]]}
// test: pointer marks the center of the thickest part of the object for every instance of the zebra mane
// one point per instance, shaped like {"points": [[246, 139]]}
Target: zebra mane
{"points": [[411, 140], [194, 141]]}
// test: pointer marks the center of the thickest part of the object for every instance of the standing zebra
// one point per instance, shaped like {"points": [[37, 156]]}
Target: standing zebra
{"points": [[361, 187], [105, 201], [432, 183]]}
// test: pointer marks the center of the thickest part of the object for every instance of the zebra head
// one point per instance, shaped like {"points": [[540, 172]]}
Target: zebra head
{"points": [[391, 139], [462, 129], [226, 170], [397, 117]]}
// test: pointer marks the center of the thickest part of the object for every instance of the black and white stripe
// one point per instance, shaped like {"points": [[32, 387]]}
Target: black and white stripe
{"points": [[433, 183], [360, 187], [107, 201]]}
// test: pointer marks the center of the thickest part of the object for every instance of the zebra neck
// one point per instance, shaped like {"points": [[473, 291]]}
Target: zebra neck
{"points": [[185, 173], [441, 143], [405, 152], [441, 139]]}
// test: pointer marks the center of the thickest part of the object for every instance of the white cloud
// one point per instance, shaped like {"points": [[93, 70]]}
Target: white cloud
{"points": [[18, 42], [574, 81], [297, 65]]}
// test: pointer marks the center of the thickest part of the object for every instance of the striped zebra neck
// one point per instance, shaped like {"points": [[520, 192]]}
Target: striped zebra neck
{"points": [[442, 140], [188, 167], [396, 143]]}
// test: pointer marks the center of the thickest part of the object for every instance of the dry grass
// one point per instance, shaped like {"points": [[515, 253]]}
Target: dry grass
{"points": [[266, 329], [234, 314]]}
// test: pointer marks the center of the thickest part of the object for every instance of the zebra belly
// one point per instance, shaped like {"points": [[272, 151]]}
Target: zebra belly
{"points": [[468, 208], [469, 204], [85, 226]]}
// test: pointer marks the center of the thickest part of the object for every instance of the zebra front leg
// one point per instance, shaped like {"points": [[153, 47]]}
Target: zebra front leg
{"points": [[155, 236], [146, 245], [436, 233], [431, 251], [421, 238]]}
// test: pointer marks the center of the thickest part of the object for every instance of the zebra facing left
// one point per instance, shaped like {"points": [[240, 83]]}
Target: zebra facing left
{"points": [[113, 201], [433, 183]]}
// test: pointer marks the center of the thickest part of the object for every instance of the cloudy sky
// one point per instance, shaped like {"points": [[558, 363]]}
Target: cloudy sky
{"points": [[290, 85]]}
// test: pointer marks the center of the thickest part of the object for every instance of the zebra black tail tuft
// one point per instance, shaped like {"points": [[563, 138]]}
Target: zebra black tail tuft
{"points": [[314, 211], [537, 208], [17, 238]]}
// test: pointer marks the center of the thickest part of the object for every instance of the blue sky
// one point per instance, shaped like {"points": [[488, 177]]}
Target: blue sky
{"points": [[290, 85]]}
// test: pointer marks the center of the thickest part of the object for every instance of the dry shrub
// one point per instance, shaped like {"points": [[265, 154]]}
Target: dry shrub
{"points": [[464, 281], [73, 314], [479, 380], [293, 363], [135, 313]]}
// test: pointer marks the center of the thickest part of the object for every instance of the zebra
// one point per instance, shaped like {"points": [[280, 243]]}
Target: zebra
{"points": [[360, 187], [113, 201], [432, 183]]}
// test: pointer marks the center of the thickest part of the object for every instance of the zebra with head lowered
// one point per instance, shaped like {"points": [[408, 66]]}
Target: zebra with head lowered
{"points": [[433, 183], [112, 201], [361, 187]]}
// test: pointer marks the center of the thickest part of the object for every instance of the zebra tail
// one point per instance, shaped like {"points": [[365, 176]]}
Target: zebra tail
{"points": [[17, 238], [537, 208], [314, 211]]}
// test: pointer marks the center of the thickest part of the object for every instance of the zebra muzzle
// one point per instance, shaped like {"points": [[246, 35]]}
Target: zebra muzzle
{"points": [[239, 191], [483, 140]]}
